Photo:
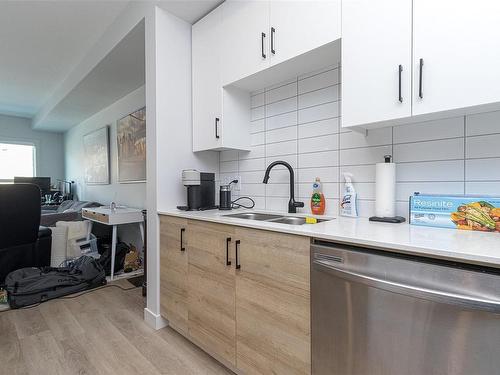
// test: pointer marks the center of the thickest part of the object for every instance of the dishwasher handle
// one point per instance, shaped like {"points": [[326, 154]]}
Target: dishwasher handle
{"points": [[409, 290]]}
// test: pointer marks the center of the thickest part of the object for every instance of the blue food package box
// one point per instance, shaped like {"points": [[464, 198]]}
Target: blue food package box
{"points": [[466, 212]]}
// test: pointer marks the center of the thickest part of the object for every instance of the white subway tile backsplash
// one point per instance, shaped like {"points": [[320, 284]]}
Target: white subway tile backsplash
{"points": [[282, 92], [255, 152], [322, 143], [247, 165], [319, 159], [361, 173], [283, 148], [257, 113], [486, 188], [254, 177], [326, 174], [281, 135], [319, 112], [276, 204], [257, 100], [228, 166], [323, 127], [405, 189], [321, 96], [445, 149], [257, 126], [367, 155], [280, 107], [483, 123], [483, 146], [297, 121], [429, 130], [319, 81], [482, 169], [330, 190], [364, 190], [375, 137], [228, 155], [281, 121], [430, 171], [253, 190], [258, 138], [279, 189]]}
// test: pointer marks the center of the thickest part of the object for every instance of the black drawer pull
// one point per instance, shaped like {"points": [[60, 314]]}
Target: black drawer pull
{"points": [[273, 31], [228, 262], [420, 89], [217, 128], [182, 239], [262, 36], [238, 265], [400, 94]]}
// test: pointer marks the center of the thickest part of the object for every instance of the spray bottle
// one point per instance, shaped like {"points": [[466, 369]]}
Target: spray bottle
{"points": [[348, 206]]}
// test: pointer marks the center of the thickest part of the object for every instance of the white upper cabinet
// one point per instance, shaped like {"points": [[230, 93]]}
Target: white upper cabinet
{"points": [[458, 42], [245, 47], [297, 27], [207, 84], [376, 60]]}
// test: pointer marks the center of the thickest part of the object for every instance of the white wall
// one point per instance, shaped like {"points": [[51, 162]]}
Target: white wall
{"points": [[130, 194], [299, 121], [49, 146], [168, 82]]}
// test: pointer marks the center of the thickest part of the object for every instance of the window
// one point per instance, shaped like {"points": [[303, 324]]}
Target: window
{"points": [[16, 160]]}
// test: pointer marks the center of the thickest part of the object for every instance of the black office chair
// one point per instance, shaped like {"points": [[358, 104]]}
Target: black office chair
{"points": [[23, 243]]}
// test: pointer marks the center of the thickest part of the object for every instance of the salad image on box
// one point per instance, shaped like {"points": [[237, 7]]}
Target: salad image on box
{"points": [[460, 212]]}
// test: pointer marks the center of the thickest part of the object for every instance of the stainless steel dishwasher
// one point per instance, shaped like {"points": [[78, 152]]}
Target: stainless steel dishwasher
{"points": [[376, 312]]}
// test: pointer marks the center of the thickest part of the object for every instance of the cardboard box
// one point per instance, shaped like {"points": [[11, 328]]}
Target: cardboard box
{"points": [[480, 213]]}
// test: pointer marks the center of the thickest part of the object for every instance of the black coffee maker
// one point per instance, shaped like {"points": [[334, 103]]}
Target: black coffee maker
{"points": [[200, 190]]}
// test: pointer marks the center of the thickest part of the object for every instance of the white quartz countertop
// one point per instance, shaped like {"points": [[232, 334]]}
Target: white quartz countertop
{"points": [[451, 244]]}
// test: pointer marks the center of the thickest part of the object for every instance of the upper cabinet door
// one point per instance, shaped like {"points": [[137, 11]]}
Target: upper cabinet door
{"points": [[245, 29], [376, 60], [207, 85], [297, 27], [458, 44]]}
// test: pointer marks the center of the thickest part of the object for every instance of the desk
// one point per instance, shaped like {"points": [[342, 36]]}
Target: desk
{"points": [[114, 218]]}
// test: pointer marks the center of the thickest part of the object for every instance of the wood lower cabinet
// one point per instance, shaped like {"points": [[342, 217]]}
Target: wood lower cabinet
{"points": [[174, 271], [243, 295], [273, 303], [211, 285]]}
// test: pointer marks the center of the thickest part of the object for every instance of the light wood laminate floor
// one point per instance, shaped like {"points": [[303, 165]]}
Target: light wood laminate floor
{"points": [[102, 332]]}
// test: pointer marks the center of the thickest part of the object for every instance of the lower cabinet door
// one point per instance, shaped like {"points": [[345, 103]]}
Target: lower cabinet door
{"points": [[273, 333], [173, 271], [211, 282]]}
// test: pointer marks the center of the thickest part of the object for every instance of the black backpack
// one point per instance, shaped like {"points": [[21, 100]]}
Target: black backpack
{"points": [[29, 286]]}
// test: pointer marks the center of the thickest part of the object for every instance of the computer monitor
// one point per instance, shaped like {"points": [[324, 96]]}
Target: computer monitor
{"points": [[42, 182]]}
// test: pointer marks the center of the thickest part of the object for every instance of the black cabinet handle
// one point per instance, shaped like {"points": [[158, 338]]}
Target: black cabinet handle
{"points": [[228, 262], [273, 30], [238, 265], [182, 239], [217, 128], [262, 36], [400, 95], [420, 90]]}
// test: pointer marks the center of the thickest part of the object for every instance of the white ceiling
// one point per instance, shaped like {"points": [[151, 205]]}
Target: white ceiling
{"points": [[190, 10], [42, 41]]}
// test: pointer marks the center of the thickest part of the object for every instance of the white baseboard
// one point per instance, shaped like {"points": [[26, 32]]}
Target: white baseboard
{"points": [[155, 321]]}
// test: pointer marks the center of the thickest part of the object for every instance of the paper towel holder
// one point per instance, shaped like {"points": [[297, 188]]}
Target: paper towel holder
{"points": [[391, 219]]}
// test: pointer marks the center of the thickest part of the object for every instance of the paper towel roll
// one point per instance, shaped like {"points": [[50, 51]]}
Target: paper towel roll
{"points": [[385, 190]]}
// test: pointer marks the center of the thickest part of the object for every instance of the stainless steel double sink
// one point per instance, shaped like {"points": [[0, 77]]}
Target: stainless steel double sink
{"points": [[292, 220]]}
